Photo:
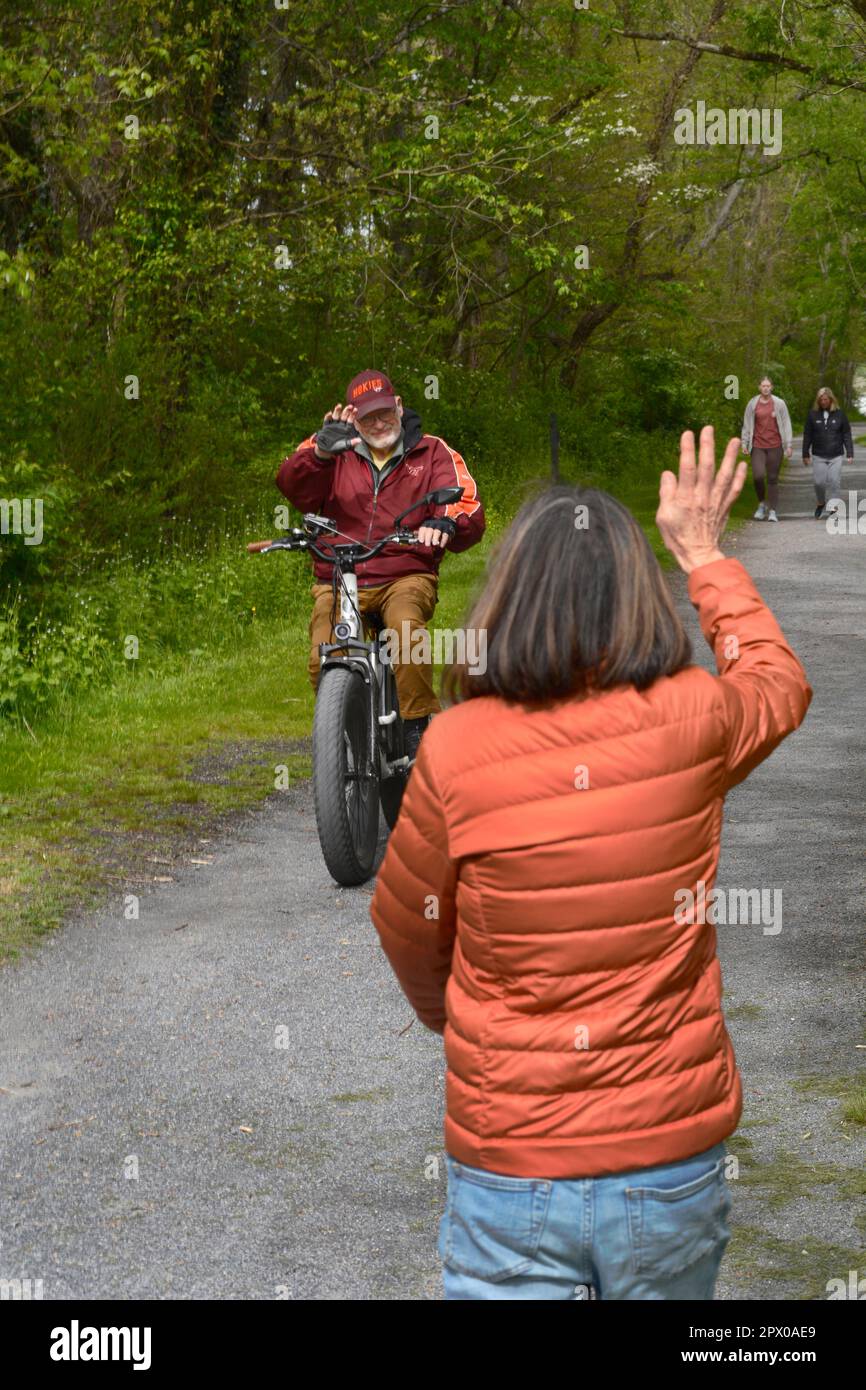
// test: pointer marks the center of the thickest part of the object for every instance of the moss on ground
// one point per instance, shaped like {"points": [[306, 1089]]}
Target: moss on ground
{"points": [[803, 1266], [354, 1097]]}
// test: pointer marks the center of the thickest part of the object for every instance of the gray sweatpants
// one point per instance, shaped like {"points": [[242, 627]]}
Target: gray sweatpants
{"points": [[827, 477]]}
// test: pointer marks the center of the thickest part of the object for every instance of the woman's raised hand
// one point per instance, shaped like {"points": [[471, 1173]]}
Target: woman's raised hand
{"points": [[693, 508]]}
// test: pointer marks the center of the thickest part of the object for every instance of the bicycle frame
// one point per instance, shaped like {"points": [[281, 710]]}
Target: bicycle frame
{"points": [[369, 658]]}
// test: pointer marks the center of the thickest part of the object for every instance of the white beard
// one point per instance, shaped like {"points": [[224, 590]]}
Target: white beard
{"points": [[385, 441]]}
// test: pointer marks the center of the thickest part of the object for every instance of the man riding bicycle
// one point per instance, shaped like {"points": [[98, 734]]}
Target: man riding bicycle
{"points": [[362, 469]]}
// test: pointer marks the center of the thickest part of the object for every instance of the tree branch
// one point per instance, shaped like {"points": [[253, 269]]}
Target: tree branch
{"points": [[726, 50]]}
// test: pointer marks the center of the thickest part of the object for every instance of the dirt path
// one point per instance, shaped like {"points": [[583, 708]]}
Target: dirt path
{"points": [[222, 1098]]}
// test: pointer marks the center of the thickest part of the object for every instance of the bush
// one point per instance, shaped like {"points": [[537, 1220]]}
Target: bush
{"points": [[45, 660], [187, 597]]}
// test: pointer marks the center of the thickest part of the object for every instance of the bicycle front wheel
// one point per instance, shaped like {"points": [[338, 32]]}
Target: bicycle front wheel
{"points": [[345, 778]]}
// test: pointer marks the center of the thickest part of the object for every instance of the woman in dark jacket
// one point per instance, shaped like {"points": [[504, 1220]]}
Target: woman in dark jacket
{"points": [[827, 437]]}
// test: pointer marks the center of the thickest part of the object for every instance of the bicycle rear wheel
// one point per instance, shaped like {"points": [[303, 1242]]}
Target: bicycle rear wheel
{"points": [[345, 782]]}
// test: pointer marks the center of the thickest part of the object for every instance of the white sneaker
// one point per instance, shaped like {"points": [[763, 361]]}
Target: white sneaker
{"points": [[761, 513], [772, 516]]}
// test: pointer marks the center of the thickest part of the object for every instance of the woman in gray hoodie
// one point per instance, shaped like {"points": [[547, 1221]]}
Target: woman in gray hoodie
{"points": [[766, 432]]}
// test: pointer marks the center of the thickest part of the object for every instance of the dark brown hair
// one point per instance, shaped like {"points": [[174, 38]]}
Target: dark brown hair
{"points": [[574, 597]]}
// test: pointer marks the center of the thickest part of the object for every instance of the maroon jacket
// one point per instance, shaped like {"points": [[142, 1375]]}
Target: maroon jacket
{"points": [[364, 500]]}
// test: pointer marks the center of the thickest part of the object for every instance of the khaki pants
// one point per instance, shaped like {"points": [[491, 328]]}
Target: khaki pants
{"points": [[410, 598]]}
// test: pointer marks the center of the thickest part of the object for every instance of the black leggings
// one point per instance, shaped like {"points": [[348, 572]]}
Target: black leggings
{"points": [[766, 464]]}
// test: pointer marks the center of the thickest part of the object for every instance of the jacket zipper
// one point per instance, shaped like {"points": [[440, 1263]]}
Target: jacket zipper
{"points": [[378, 478]]}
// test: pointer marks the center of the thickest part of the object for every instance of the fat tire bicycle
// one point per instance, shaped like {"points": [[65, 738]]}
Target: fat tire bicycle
{"points": [[360, 760]]}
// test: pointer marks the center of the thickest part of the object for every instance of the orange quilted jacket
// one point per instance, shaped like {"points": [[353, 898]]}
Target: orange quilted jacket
{"points": [[527, 902]]}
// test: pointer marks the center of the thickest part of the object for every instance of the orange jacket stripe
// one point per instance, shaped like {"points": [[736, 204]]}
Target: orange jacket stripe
{"points": [[469, 502]]}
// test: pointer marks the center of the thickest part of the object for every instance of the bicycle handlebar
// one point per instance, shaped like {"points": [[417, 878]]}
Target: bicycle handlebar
{"points": [[316, 526], [306, 543]]}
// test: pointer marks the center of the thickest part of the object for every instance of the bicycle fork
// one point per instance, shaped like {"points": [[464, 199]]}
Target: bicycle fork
{"points": [[348, 632]]}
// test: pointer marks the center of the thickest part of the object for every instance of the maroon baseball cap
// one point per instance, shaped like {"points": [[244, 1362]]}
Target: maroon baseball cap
{"points": [[370, 391]]}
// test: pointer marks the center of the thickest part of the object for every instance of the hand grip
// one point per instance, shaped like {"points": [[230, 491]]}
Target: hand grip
{"points": [[255, 546]]}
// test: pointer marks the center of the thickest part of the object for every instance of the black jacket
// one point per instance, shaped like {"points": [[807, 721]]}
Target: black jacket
{"points": [[830, 440]]}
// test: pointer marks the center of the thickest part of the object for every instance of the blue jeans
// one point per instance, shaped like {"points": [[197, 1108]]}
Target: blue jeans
{"points": [[655, 1233]]}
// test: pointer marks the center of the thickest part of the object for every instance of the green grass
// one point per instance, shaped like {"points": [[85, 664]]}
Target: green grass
{"points": [[787, 1178], [806, 1265], [112, 778], [755, 1253], [356, 1097], [108, 777], [854, 1109], [747, 1012], [850, 1091]]}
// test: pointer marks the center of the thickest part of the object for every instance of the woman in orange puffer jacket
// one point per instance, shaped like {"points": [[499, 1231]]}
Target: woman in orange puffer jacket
{"points": [[530, 900]]}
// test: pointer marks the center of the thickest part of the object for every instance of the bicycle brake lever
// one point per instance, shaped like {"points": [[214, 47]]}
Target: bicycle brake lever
{"points": [[317, 524]]}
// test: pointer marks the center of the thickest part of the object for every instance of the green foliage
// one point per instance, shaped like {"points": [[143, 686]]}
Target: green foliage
{"points": [[16, 274], [47, 660], [213, 215], [187, 598]]}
